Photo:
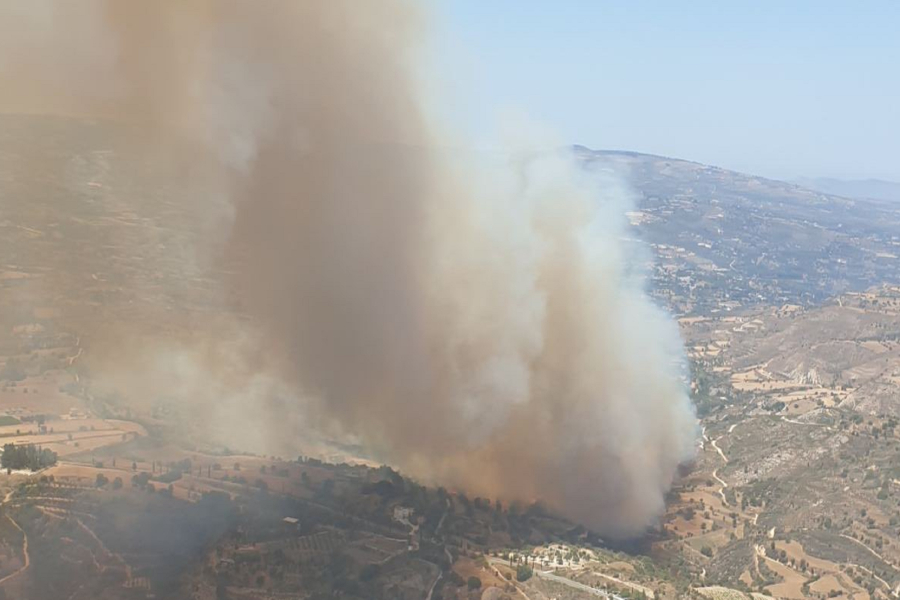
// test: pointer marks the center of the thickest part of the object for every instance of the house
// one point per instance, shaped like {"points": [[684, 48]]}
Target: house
{"points": [[402, 513]]}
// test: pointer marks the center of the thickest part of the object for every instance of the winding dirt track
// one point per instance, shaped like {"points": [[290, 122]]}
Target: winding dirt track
{"points": [[715, 472], [719, 450], [24, 547]]}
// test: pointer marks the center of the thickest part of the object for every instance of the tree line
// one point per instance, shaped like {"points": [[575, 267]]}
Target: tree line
{"points": [[26, 456]]}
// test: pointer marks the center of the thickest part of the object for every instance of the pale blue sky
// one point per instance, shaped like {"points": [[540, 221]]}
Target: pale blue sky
{"points": [[783, 89]]}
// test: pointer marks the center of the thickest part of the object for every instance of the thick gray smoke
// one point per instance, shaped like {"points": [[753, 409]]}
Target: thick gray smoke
{"points": [[476, 323]]}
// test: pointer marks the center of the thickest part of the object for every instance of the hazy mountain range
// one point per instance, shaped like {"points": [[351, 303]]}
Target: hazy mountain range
{"points": [[875, 189]]}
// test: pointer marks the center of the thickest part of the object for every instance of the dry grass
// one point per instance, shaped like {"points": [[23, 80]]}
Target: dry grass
{"points": [[795, 550], [826, 584], [42, 396], [792, 584], [87, 475], [466, 567], [717, 592]]}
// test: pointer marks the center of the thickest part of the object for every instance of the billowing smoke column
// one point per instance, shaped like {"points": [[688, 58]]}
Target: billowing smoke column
{"points": [[477, 325]]}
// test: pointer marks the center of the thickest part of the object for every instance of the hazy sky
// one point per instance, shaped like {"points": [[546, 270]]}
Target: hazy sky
{"points": [[782, 89]]}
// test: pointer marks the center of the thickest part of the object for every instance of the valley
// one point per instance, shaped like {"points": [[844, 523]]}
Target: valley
{"points": [[786, 300]]}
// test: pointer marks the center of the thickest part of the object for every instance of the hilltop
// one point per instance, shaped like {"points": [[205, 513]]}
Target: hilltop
{"points": [[876, 189], [725, 240]]}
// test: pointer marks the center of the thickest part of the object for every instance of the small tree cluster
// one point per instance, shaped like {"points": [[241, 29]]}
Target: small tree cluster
{"points": [[26, 456]]}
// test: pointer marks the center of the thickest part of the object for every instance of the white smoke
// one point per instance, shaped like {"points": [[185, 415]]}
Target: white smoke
{"points": [[475, 322]]}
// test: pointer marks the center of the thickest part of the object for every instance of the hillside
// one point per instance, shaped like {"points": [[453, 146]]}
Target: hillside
{"points": [[725, 240], [721, 240], [876, 189], [790, 322]]}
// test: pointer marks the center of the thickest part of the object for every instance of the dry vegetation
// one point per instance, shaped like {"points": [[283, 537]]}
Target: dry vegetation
{"points": [[793, 493]]}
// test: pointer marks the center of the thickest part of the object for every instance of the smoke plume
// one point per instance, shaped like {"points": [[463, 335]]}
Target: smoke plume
{"points": [[475, 321]]}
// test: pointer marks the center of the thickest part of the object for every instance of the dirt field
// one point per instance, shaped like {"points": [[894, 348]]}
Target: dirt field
{"points": [[826, 584], [68, 437], [793, 582], [86, 475], [466, 567], [795, 550], [38, 395]]}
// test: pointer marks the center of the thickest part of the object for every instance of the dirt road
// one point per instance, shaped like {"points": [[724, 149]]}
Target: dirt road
{"points": [[24, 545], [576, 585], [719, 450]]}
